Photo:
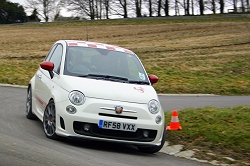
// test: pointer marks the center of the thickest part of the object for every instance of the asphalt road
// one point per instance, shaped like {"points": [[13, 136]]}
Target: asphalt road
{"points": [[23, 143], [178, 102]]}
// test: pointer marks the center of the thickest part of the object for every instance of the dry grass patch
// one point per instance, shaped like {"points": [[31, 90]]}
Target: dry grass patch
{"points": [[186, 54]]}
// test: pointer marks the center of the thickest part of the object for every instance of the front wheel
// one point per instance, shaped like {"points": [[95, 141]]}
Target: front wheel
{"points": [[29, 113], [49, 121], [154, 149]]}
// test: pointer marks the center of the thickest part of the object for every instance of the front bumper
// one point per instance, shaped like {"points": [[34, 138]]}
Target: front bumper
{"points": [[72, 125]]}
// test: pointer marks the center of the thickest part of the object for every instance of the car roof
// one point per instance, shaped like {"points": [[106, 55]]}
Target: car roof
{"points": [[97, 45]]}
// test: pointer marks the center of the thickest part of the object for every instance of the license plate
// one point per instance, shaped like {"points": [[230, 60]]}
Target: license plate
{"points": [[117, 125]]}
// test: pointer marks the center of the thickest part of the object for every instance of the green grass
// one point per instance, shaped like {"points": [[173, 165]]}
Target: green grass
{"points": [[225, 131], [18, 72], [188, 55], [205, 55]]}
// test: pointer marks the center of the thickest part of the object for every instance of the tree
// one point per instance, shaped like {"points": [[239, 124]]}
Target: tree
{"points": [[107, 8], [11, 12], [153, 6], [201, 6], [149, 6], [138, 8], [166, 7], [120, 7], [211, 5], [45, 8], [187, 9], [176, 7], [222, 6], [235, 5], [34, 16], [150, 10], [87, 8], [159, 8]]}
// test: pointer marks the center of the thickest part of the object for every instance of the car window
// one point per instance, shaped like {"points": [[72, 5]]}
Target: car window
{"points": [[50, 53], [88, 61], [135, 68], [56, 57]]}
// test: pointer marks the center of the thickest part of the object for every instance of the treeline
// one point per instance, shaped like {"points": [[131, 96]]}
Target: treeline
{"points": [[11, 12], [105, 9], [50, 10]]}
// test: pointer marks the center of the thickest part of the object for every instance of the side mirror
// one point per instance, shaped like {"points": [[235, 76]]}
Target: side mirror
{"points": [[49, 66], [153, 78]]}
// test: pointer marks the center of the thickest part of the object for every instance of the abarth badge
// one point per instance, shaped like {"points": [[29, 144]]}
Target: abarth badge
{"points": [[118, 109]]}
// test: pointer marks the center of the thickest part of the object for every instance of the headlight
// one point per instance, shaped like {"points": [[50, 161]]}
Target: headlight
{"points": [[153, 106], [76, 97]]}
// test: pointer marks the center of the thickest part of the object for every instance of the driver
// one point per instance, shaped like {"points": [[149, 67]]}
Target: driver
{"points": [[75, 58]]}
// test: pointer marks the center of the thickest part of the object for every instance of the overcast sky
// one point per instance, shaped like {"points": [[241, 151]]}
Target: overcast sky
{"points": [[22, 2]]}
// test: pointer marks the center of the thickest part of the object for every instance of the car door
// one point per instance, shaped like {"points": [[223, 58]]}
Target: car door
{"points": [[43, 81]]}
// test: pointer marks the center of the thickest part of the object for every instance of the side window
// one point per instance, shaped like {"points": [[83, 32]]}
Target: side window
{"points": [[50, 53], [56, 57], [135, 69]]}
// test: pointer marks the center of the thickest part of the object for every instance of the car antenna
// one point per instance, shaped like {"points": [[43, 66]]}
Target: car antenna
{"points": [[86, 26]]}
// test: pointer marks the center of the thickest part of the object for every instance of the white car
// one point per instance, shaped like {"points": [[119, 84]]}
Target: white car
{"points": [[96, 91]]}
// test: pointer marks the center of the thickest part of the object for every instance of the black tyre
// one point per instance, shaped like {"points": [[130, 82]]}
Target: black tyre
{"points": [[49, 121], [29, 113], [154, 149]]}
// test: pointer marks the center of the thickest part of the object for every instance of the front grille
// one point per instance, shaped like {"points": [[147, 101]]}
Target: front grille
{"points": [[117, 116], [95, 131]]}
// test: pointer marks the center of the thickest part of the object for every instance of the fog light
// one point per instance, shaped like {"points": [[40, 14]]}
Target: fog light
{"points": [[86, 127], [145, 133], [158, 119], [71, 109]]}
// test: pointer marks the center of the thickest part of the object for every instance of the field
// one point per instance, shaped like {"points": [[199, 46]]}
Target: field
{"points": [[223, 132], [209, 56], [189, 56]]}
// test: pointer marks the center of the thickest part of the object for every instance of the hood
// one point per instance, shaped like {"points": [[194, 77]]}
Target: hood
{"points": [[109, 90]]}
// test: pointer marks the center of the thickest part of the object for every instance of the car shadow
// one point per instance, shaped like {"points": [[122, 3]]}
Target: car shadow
{"points": [[93, 144], [104, 146]]}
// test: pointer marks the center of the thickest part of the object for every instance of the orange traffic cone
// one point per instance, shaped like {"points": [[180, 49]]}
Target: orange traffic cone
{"points": [[174, 124]]}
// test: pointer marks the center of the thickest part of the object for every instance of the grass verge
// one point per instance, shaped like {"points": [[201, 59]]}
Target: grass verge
{"points": [[188, 55], [223, 131]]}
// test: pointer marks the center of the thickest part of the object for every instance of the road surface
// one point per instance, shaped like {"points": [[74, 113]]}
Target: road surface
{"points": [[23, 143]]}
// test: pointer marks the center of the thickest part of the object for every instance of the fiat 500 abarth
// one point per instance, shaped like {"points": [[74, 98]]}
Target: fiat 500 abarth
{"points": [[96, 91]]}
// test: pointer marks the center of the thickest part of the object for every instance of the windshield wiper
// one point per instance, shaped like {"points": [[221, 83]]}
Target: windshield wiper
{"points": [[105, 77], [139, 82]]}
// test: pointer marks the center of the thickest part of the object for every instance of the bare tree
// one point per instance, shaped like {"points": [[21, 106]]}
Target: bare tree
{"points": [[222, 6], [89, 8], [192, 4], [235, 5], [159, 7], [211, 5], [138, 8], [45, 8], [120, 8], [243, 5], [201, 7], [166, 7], [149, 5], [187, 8], [107, 8], [155, 6]]}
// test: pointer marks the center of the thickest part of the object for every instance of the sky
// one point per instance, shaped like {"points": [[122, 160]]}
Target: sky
{"points": [[63, 12], [22, 2]]}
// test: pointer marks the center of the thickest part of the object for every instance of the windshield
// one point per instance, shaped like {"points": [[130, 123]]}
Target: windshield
{"points": [[96, 63]]}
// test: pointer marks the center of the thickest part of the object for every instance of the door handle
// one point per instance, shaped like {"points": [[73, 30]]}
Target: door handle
{"points": [[39, 76]]}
